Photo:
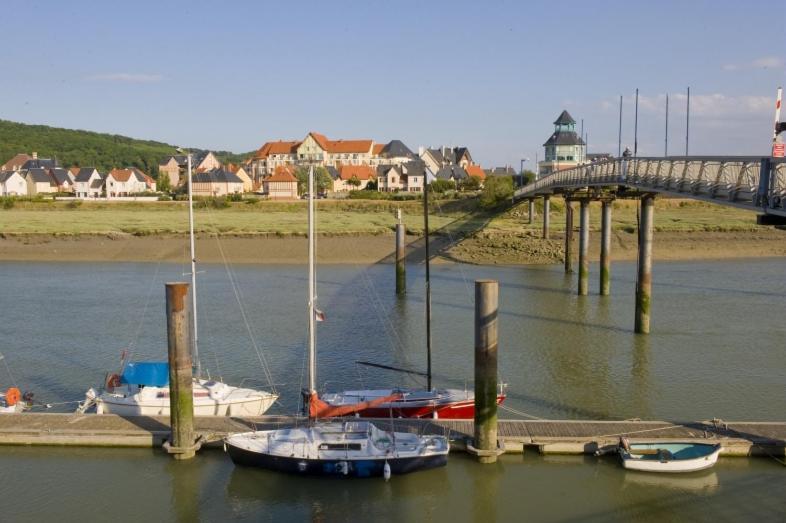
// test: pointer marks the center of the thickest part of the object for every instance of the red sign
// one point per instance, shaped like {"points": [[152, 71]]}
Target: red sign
{"points": [[777, 150]]}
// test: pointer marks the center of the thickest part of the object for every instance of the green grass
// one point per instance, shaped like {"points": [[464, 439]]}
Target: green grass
{"points": [[343, 217]]}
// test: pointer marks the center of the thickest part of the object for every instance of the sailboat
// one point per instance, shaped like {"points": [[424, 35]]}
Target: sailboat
{"points": [[335, 448], [413, 403], [142, 388]]}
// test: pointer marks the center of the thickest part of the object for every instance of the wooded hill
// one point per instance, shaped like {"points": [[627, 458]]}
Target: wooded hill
{"points": [[89, 149]]}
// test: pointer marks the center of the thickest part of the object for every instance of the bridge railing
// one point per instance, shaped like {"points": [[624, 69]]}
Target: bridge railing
{"points": [[733, 180]]}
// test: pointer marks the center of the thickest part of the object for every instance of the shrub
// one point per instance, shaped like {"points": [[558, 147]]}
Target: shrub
{"points": [[74, 204], [497, 190], [368, 195], [440, 186], [8, 203], [164, 198]]}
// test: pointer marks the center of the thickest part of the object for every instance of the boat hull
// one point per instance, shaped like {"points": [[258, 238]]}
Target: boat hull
{"points": [[349, 468], [463, 409], [672, 464], [239, 407]]}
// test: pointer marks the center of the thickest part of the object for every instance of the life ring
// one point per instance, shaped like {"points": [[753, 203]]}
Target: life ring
{"points": [[112, 381], [12, 396]]}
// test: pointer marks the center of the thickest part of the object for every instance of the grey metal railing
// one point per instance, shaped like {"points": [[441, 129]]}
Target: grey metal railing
{"points": [[742, 181]]}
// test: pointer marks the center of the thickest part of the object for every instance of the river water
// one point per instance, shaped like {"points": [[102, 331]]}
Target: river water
{"points": [[715, 351]]}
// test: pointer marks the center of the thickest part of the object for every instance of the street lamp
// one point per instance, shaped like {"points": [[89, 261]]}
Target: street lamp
{"points": [[521, 171]]}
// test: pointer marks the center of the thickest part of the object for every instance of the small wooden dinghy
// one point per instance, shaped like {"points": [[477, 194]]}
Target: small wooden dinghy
{"points": [[668, 456]]}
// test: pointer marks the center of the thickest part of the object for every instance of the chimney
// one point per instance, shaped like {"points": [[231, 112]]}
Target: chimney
{"points": [[421, 150], [35, 155]]}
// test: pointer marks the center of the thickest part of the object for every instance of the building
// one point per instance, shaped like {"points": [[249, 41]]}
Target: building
{"points": [[17, 162], [405, 177], [282, 184], [353, 177], [240, 172], [455, 173], [12, 183], [216, 182], [564, 148], [476, 171], [128, 182], [88, 183], [317, 149], [64, 179], [176, 166], [441, 157], [39, 181]]}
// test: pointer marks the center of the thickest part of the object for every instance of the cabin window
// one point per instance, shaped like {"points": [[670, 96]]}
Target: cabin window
{"points": [[339, 446]]}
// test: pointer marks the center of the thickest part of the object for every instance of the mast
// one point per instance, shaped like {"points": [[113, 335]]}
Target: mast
{"points": [[195, 342], [312, 334], [428, 281]]}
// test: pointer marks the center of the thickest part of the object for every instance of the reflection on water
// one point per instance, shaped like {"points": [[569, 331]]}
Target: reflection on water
{"points": [[563, 356]]}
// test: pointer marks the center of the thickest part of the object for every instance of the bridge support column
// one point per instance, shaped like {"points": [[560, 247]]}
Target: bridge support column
{"points": [[531, 209], [605, 248], [644, 274], [546, 203], [583, 247], [568, 237]]}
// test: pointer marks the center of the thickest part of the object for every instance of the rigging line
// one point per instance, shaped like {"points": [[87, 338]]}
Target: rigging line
{"points": [[236, 291], [518, 412], [135, 338], [8, 369], [452, 242]]}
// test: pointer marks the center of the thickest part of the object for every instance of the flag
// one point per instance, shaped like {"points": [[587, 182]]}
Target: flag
{"points": [[319, 315]]}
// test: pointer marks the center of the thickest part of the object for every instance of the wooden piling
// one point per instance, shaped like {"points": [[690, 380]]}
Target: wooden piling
{"points": [[181, 397], [401, 257], [605, 248], [644, 274], [486, 318], [546, 217], [583, 247], [568, 237]]}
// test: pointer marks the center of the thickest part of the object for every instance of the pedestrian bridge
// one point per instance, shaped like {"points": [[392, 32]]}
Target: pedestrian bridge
{"points": [[749, 182]]}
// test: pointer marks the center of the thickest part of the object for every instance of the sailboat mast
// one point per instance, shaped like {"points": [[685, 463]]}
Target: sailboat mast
{"points": [[312, 334], [428, 281], [195, 341]]}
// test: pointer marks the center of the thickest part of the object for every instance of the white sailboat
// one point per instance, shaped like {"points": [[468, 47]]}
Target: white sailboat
{"points": [[142, 388], [342, 449]]}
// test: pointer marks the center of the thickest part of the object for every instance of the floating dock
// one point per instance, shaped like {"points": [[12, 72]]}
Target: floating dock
{"points": [[545, 436]]}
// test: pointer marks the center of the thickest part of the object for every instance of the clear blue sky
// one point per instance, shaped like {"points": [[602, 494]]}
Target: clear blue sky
{"points": [[489, 75]]}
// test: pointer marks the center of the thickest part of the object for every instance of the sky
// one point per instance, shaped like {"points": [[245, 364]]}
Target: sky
{"points": [[490, 75]]}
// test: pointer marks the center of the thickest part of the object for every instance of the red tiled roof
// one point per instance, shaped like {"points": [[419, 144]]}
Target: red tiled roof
{"points": [[278, 147], [362, 172], [74, 170], [121, 175], [377, 149], [321, 139], [349, 146], [475, 170], [283, 173], [16, 162]]}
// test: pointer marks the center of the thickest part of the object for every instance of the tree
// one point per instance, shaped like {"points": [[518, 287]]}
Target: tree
{"points": [[162, 183], [322, 179], [354, 182], [471, 183], [372, 185], [440, 186], [496, 190], [527, 177]]}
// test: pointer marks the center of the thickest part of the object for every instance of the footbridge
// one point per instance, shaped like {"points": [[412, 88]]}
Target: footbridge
{"points": [[754, 183]]}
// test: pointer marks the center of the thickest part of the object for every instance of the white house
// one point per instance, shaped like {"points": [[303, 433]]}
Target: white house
{"points": [[282, 184], [217, 182], [390, 178], [12, 184], [88, 183], [127, 182]]}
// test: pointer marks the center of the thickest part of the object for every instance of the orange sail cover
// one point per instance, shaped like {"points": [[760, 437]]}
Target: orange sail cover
{"points": [[319, 409]]}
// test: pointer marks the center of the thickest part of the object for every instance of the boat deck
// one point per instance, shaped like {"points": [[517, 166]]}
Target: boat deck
{"points": [[548, 436]]}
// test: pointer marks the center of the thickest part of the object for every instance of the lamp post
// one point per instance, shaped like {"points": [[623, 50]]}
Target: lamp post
{"points": [[521, 171]]}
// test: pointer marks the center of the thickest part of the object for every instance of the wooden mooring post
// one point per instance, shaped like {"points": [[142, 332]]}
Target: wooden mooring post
{"points": [[644, 273], [568, 237], [181, 395], [401, 256], [546, 217], [583, 247], [605, 248], [485, 445]]}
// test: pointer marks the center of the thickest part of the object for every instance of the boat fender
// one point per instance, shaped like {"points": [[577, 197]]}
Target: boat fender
{"points": [[12, 396], [386, 471], [342, 467], [112, 381], [302, 466]]}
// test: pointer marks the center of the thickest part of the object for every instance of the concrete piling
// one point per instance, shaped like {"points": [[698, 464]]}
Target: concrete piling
{"points": [[531, 209], [486, 319], [181, 396], [644, 274], [546, 203], [583, 247], [401, 257], [605, 248], [568, 237]]}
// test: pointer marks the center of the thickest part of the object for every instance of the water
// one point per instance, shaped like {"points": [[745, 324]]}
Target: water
{"points": [[715, 351]]}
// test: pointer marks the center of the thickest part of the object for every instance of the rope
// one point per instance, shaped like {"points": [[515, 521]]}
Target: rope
{"points": [[8, 369], [135, 337], [518, 412]]}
